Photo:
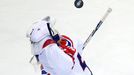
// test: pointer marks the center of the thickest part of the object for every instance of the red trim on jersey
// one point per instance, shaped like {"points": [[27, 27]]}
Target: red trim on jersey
{"points": [[48, 42], [68, 39], [70, 50]]}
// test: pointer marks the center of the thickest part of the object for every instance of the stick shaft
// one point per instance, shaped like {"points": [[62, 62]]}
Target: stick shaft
{"points": [[97, 27]]}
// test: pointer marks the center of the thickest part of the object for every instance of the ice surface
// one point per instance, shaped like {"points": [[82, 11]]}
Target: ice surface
{"points": [[110, 52]]}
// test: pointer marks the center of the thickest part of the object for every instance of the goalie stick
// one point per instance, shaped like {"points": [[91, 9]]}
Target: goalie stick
{"points": [[96, 28]]}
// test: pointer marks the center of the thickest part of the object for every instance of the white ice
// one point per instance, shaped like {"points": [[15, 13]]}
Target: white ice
{"points": [[110, 52]]}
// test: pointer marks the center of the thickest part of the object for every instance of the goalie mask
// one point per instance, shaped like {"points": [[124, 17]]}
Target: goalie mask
{"points": [[39, 30]]}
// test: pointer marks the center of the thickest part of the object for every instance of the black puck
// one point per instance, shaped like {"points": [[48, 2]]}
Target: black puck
{"points": [[78, 3]]}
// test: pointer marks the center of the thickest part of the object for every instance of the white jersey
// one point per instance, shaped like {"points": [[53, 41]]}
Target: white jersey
{"points": [[56, 62], [53, 59]]}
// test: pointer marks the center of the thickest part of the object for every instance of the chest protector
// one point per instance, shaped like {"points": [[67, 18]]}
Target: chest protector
{"points": [[65, 43]]}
